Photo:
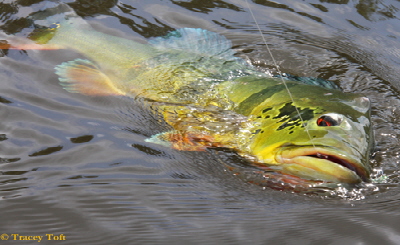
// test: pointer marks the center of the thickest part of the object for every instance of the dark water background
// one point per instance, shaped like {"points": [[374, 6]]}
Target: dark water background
{"points": [[79, 166]]}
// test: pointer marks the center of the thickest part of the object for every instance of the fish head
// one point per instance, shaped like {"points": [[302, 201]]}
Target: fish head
{"points": [[321, 136]]}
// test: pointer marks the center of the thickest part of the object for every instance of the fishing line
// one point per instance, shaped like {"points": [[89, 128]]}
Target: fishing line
{"points": [[279, 72]]}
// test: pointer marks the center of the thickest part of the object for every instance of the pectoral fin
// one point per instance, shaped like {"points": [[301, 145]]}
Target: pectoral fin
{"points": [[82, 76], [196, 129], [185, 141]]}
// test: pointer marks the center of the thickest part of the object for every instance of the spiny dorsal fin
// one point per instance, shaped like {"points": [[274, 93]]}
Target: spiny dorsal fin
{"points": [[82, 76], [196, 40], [311, 81]]}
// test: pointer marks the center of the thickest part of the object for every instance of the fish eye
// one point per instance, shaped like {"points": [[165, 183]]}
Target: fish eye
{"points": [[326, 121]]}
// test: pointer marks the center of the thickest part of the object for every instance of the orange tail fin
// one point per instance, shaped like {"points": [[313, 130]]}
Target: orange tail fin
{"points": [[32, 46], [26, 44]]}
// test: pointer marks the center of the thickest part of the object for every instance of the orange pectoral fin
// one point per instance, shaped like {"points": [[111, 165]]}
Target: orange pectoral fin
{"points": [[192, 141], [82, 76], [185, 141]]}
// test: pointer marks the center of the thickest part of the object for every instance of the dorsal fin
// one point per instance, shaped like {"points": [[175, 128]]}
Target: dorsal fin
{"points": [[197, 41], [311, 81]]}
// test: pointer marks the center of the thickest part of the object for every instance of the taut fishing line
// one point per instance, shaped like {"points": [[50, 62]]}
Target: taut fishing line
{"points": [[279, 71]]}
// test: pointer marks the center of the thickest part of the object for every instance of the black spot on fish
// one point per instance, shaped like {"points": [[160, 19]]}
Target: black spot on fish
{"points": [[266, 110], [290, 117], [247, 105], [283, 119], [257, 131], [289, 124], [286, 111]]}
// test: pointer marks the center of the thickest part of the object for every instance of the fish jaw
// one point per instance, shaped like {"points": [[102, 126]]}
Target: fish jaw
{"points": [[321, 163]]}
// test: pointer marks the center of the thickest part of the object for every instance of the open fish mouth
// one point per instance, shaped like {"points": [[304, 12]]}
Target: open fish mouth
{"points": [[321, 163]]}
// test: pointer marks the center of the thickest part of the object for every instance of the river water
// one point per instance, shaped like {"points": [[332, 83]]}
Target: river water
{"points": [[79, 166]]}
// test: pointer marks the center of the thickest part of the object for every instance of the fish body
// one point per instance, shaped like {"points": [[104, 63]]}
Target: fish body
{"points": [[211, 98]]}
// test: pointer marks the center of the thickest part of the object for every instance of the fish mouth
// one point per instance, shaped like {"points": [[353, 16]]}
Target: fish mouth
{"points": [[321, 163]]}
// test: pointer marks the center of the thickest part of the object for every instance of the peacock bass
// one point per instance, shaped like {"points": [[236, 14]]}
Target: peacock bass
{"points": [[211, 98]]}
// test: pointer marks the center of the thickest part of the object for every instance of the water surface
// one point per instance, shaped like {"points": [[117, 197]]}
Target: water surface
{"points": [[78, 165]]}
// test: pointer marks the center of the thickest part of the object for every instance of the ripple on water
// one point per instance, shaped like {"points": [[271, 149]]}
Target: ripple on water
{"points": [[78, 165]]}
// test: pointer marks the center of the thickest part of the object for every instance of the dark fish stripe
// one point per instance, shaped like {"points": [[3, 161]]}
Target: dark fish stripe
{"points": [[247, 105], [290, 117]]}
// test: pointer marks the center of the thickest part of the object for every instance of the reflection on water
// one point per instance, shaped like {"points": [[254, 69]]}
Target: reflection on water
{"points": [[78, 165]]}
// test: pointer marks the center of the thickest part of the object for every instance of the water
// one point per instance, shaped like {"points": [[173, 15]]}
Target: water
{"points": [[79, 166]]}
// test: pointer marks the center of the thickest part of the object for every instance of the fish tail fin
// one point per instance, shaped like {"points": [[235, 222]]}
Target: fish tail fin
{"points": [[50, 19]]}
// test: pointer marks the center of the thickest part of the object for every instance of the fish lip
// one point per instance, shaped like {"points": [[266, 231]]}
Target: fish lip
{"points": [[288, 154]]}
